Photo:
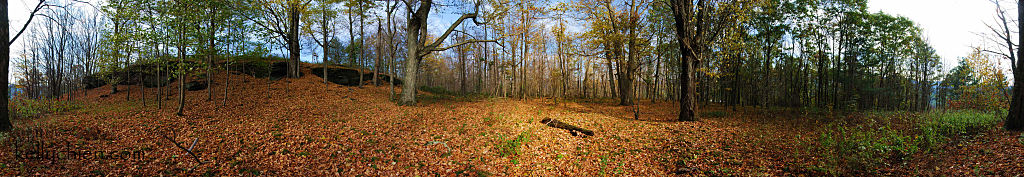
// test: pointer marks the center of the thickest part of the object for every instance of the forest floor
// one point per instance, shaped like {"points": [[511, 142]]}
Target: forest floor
{"points": [[300, 127]]}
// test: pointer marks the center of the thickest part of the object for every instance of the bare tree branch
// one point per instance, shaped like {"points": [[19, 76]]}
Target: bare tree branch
{"points": [[30, 17]]}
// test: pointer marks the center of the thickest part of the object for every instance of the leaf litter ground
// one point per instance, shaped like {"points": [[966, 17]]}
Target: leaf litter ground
{"points": [[300, 127]]}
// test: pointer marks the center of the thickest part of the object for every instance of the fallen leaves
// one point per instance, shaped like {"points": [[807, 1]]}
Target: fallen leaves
{"points": [[302, 128]]}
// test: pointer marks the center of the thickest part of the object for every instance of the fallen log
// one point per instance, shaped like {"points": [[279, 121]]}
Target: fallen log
{"points": [[573, 130]]}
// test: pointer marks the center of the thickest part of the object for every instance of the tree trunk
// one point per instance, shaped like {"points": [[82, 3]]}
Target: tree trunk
{"points": [[181, 72], [391, 53], [362, 45], [5, 51], [293, 41], [327, 44], [227, 69], [159, 80], [574, 130], [376, 61], [113, 85], [209, 56], [127, 76], [461, 51], [625, 86], [681, 10], [413, 44], [1015, 119]]}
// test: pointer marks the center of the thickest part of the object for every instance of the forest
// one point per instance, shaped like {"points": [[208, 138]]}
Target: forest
{"points": [[504, 88]]}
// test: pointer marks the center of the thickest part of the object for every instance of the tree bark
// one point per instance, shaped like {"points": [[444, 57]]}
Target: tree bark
{"points": [[379, 48], [181, 71], [293, 40], [5, 51], [1015, 119], [327, 42], [210, 54], [574, 130], [681, 11], [413, 43], [362, 45]]}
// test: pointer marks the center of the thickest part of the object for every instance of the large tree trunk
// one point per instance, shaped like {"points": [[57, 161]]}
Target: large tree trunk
{"points": [[681, 10], [625, 85], [1015, 119], [293, 41], [417, 32], [413, 43], [5, 52]]}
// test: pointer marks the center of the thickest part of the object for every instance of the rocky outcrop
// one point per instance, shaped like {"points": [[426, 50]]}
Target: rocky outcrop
{"points": [[350, 77]]}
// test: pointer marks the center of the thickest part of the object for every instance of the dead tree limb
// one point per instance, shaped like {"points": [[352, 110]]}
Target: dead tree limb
{"points": [[187, 150], [573, 130]]}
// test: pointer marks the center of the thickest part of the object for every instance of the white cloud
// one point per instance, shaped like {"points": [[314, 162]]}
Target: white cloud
{"points": [[951, 26]]}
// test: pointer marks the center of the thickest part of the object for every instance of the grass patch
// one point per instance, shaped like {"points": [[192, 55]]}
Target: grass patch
{"points": [[1021, 138], [510, 147], [30, 108], [439, 93], [491, 119], [861, 149], [961, 123], [889, 138], [436, 90]]}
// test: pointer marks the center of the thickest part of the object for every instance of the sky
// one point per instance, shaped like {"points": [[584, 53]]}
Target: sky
{"points": [[951, 26], [18, 12]]}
